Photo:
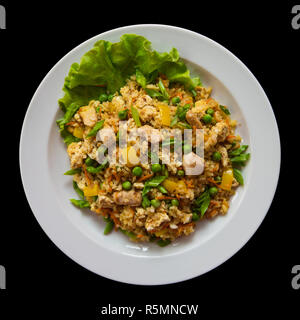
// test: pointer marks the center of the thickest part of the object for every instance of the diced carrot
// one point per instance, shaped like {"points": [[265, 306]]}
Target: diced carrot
{"points": [[146, 177], [165, 198]]}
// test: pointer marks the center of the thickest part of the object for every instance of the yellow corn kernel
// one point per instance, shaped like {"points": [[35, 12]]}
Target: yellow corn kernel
{"points": [[227, 179], [78, 132]]}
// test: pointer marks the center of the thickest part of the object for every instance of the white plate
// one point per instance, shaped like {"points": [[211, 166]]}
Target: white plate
{"points": [[79, 234]]}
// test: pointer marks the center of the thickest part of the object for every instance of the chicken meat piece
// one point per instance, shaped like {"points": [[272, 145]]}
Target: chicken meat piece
{"points": [[105, 202], [192, 119], [154, 221], [148, 113], [193, 164], [128, 198], [218, 133], [88, 115], [224, 155]]}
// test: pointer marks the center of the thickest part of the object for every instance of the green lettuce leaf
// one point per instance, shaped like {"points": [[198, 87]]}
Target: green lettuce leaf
{"points": [[107, 65]]}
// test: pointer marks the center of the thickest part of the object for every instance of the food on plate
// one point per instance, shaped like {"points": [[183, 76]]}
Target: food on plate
{"points": [[153, 94]]}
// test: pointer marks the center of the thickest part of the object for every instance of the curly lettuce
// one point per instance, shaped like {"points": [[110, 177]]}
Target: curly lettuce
{"points": [[107, 66]]}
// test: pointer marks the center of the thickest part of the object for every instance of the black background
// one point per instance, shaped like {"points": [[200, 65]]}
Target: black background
{"points": [[258, 277]]}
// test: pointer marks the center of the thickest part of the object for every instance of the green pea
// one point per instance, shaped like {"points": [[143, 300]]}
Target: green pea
{"points": [[180, 173], [207, 118], [175, 202], [155, 203], [195, 216], [110, 97], [210, 111], [187, 148], [175, 100], [137, 171], [122, 114], [218, 179], [216, 156], [126, 185], [103, 97], [156, 167], [213, 191]]}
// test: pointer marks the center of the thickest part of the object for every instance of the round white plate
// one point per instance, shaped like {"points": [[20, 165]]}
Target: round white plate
{"points": [[79, 233]]}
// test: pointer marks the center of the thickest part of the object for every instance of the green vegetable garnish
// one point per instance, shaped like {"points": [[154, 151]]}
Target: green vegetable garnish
{"points": [[80, 203], [210, 111], [195, 216], [79, 191], [201, 204], [103, 97], [109, 226], [183, 125], [97, 169], [110, 97], [136, 116], [175, 100], [225, 110], [155, 94], [68, 137], [162, 189], [90, 162], [241, 159], [238, 176], [140, 78], [163, 90], [123, 114], [194, 93], [238, 151], [129, 233], [68, 115], [72, 172], [181, 111], [152, 183], [146, 202], [163, 243], [95, 129], [174, 121], [216, 156]]}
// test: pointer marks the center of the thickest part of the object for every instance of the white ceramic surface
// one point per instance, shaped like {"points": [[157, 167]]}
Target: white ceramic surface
{"points": [[79, 234]]}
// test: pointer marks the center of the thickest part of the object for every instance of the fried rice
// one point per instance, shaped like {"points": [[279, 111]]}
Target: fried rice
{"points": [[172, 208]]}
